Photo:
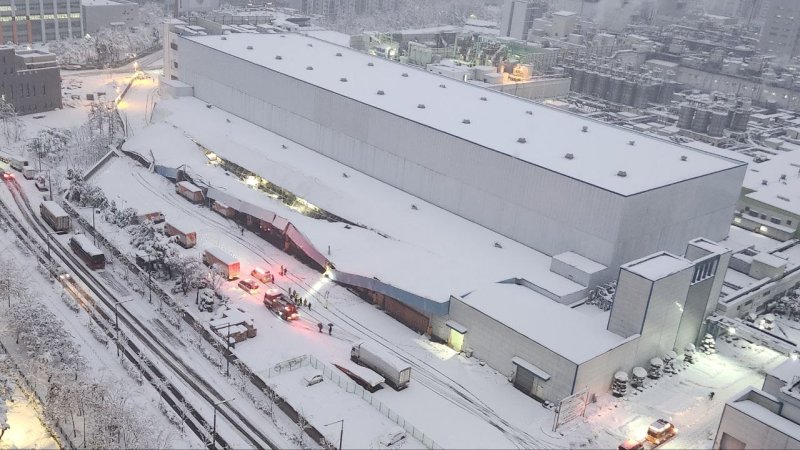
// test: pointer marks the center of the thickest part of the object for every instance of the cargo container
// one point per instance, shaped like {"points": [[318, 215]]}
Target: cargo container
{"points": [[191, 192], [396, 372], [19, 164], [227, 264], [55, 216], [155, 217], [184, 237]]}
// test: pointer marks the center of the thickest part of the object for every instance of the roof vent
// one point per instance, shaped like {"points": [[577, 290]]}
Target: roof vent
{"points": [[224, 38], [278, 57], [338, 54], [529, 112], [466, 121], [522, 140], [249, 47], [569, 156], [405, 74], [764, 182], [585, 129], [343, 80], [483, 99], [421, 106], [310, 44], [783, 176], [684, 158], [622, 174], [309, 68], [442, 86], [631, 142], [380, 92], [370, 64]]}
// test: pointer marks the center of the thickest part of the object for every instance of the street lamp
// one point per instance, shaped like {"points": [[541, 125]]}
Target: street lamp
{"points": [[341, 431], [116, 319], [214, 429]]}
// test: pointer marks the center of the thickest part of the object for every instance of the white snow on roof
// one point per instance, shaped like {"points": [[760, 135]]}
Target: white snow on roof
{"points": [[334, 37], [54, 208], [782, 164], [189, 186], [496, 123], [224, 257], [769, 260], [657, 266], [579, 262], [86, 245], [428, 251], [565, 331], [780, 195], [767, 417], [786, 371]]}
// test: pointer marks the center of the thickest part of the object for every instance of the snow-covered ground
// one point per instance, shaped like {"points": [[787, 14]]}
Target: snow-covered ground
{"points": [[26, 428]]}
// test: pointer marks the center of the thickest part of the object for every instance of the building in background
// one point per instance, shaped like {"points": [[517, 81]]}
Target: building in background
{"points": [[30, 80], [764, 418], [28, 21], [97, 14], [781, 30], [517, 17]]}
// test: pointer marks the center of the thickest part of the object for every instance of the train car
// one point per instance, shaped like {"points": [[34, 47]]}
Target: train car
{"points": [[214, 257], [223, 209], [19, 164], [155, 217], [184, 237], [55, 216], [191, 192], [90, 254]]}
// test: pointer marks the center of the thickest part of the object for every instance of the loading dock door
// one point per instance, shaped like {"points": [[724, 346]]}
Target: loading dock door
{"points": [[529, 378], [456, 340]]}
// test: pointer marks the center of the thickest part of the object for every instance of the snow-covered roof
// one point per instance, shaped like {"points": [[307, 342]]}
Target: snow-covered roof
{"points": [[224, 257], [782, 164], [497, 120], [765, 416], [579, 262], [780, 195], [787, 371], [769, 260], [334, 37], [189, 187], [429, 251], [567, 332], [657, 266], [54, 208], [86, 245]]}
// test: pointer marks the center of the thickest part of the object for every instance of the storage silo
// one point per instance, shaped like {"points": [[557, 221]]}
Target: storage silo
{"points": [[578, 77], [588, 82], [640, 95], [702, 117], [628, 87], [718, 122], [615, 89], [740, 118], [772, 106], [601, 85], [686, 115]]}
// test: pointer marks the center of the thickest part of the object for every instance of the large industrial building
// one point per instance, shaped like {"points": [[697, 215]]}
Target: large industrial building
{"points": [[27, 21], [30, 80], [551, 180]]}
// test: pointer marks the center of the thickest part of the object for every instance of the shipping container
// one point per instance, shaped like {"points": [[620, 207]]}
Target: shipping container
{"points": [[227, 264], [155, 217], [191, 192], [55, 216], [223, 209], [396, 372], [19, 164], [186, 239], [90, 254]]}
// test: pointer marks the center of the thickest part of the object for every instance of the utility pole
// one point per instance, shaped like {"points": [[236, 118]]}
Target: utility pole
{"points": [[214, 429], [341, 431]]}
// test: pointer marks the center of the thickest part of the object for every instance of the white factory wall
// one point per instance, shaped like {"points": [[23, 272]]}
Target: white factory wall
{"points": [[597, 373], [496, 344], [751, 431], [537, 207]]}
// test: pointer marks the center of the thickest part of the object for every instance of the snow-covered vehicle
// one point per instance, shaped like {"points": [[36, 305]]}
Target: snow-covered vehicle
{"points": [[280, 305], [19, 164], [249, 286], [41, 183], [155, 217], [660, 432], [631, 444], [312, 379], [393, 437], [184, 237], [191, 192], [262, 275], [396, 372], [227, 264], [29, 173]]}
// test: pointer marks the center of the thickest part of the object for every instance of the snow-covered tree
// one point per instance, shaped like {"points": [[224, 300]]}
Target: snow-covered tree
{"points": [[637, 377], [656, 368], [86, 194], [670, 361], [619, 386], [13, 126], [6, 391], [13, 282], [708, 345], [689, 353]]}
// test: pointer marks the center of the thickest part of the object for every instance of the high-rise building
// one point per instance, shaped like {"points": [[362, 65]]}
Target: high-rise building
{"points": [[517, 17], [781, 30], [27, 21], [30, 80]]}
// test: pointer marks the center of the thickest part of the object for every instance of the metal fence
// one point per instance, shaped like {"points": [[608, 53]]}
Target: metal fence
{"points": [[350, 387]]}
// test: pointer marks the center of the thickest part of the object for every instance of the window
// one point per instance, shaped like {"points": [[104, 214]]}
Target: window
{"points": [[747, 208], [788, 221], [175, 64], [753, 214], [763, 216], [173, 46], [775, 220]]}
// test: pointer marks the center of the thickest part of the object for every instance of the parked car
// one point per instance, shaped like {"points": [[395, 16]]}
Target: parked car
{"points": [[660, 432], [313, 379], [249, 286], [262, 275]]}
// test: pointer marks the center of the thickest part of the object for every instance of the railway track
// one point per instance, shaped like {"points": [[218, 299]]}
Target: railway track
{"points": [[142, 333]]}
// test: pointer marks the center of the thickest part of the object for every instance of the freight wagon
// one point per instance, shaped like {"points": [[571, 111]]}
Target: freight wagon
{"points": [[227, 264], [223, 209], [186, 238], [191, 192], [55, 216], [393, 369]]}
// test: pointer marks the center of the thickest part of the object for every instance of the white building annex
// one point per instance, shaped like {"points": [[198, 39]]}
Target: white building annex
{"points": [[523, 170]]}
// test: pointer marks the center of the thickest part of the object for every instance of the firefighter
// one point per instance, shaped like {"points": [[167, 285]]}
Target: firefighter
{"points": [[280, 272], [711, 395], [319, 325], [330, 328]]}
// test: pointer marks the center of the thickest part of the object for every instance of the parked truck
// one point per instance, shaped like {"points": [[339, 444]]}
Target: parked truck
{"points": [[396, 372], [19, 164], [184, 237], [225, 263], [192, 193]]}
